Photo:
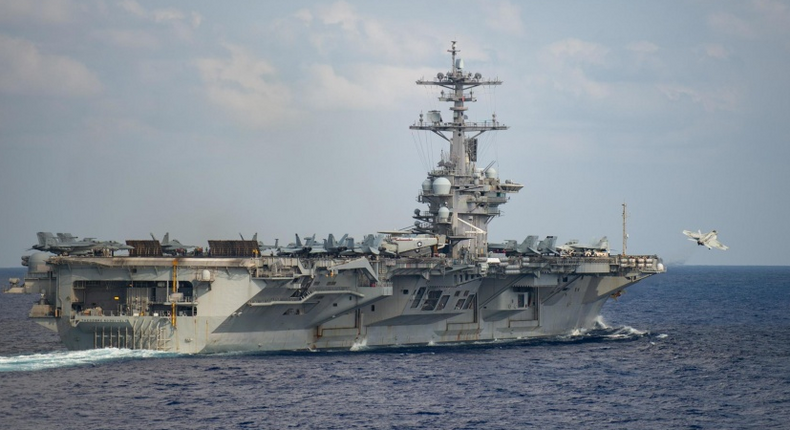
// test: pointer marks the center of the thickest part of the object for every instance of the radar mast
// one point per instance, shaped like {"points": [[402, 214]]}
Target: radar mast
{"points": [[462, 199]]}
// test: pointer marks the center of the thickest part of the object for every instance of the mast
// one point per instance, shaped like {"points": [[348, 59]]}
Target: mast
{"points": [[462, 199], [625, 234]]}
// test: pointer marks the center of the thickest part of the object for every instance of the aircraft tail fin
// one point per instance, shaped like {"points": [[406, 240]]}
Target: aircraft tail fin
{"points": [[528, 245], [46, 239]]}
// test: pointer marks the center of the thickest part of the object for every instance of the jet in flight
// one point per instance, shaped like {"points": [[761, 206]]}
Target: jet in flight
{"points": [[706, 239]]}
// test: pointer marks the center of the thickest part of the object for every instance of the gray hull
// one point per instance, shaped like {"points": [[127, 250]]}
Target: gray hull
{"points": [[244, 305]]}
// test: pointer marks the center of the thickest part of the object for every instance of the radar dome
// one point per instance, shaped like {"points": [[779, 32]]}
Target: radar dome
{"points": [[491, 173], [444, 214], [441, 186], [38, 262], [426, 186]]}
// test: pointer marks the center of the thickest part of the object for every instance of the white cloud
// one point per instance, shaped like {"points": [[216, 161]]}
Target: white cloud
{"points": [[774, 15], [338, 27], [717, 51], [133, 7], [304, 15], [755, 20], [566, 62], [728, 23], [197, 19], [504, 17], [726, 99], [578, 51], [343, 14], [181, 23], [642, 47], [246, 87], [162, 15], [366, 87], [136, 39], [25, 70], [47, 11]]}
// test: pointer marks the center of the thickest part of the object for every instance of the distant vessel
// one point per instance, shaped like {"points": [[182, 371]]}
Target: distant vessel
{"points": [[438, 281]]}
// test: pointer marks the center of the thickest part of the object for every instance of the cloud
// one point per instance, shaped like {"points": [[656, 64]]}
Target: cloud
{"points": [[25, 70], [366, 87], [136, 39], [726, 99], [578, 51], [504, 17], [246, 87], [758, 19], [304, 15], [133, 7], [642, 47], [170, 14], [338, 28], [714, 50], [728, 23], [567, 62], [180, 22], [46, 11]]}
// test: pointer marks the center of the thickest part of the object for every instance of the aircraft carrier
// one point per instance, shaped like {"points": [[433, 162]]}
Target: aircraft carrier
{"points": [[439, 281]]}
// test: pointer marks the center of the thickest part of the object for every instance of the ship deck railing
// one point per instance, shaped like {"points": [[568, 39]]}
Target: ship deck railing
{"points": [[646, 263]]}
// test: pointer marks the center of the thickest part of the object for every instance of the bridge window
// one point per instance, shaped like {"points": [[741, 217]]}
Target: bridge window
{"points": [[470, 301], [418, 297], [432, 300], [443, 302]]}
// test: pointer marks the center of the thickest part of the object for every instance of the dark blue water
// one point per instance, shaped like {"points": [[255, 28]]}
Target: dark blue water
{"points": [[696, 348]]}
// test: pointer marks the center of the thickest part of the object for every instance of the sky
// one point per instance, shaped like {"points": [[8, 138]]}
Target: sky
{"points": [[212, 119]]}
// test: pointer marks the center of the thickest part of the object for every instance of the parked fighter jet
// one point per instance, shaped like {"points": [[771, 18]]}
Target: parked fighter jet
{"points": [[546, 246], [709, 239], [598, 247], [330, 245], [298, 247], [270, 249], [370, 245], [67, 244], [512, 247], [173, 247]]}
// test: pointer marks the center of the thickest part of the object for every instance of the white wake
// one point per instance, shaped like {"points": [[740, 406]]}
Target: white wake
{"points": [[51, 360]]}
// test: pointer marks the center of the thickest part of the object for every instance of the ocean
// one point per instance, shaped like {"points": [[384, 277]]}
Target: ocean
{"points": [[694, 348]]}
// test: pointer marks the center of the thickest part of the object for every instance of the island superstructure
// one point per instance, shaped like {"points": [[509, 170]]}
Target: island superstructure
{"points": [[438, 281]]}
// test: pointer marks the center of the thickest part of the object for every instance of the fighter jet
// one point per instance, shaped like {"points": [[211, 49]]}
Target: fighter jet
{"points": [[546, 246], [512, 247], [268, 249], [370, 245], [706, 239], [330, 245], [596, 248], [173, 247], [298, 247], [67, 244]]}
